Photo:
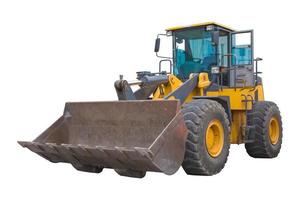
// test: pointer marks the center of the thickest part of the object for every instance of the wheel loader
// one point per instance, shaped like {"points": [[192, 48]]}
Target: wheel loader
{"points": [[209, 97]]}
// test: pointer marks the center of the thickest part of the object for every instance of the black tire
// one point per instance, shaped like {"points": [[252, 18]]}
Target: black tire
{"points": [[197, 115], [259, 119]]}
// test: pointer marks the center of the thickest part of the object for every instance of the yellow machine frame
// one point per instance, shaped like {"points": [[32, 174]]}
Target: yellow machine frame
{"points": [[237, 96]]}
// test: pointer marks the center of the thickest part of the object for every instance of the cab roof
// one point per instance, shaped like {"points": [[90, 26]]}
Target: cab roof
{"points": [[175, 28]]}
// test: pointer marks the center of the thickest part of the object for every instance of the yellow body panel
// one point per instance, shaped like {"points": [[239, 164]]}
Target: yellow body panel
{"points": [[236, 96], [237, 126], [163, 90], [198, 25]]}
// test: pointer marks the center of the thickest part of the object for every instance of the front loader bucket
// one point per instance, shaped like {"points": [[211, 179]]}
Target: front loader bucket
{"points": [[129, 136]]}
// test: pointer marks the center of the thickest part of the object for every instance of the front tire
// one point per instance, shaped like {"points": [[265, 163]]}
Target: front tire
{"points": [[265, 119], [208, 142]]}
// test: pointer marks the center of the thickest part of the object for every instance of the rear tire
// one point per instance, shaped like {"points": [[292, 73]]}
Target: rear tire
{"points": [[266, 132], [201, 158]]}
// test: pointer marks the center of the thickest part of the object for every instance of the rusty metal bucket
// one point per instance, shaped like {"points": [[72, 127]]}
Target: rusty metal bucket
{"points": [[130, 136]]}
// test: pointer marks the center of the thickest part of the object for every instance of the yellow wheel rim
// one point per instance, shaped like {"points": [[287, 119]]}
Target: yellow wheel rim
{"points": [[214, 138], [274, 130]]}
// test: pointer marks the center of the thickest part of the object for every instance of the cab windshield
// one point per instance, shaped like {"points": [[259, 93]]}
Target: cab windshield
{"points": [[193, 52]]}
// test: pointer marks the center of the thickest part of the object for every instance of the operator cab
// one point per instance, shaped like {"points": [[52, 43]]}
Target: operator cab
{"points": [[226, 55]]}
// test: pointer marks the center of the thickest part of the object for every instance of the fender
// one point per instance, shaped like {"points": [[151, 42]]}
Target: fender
{"points": [[223, 100]]}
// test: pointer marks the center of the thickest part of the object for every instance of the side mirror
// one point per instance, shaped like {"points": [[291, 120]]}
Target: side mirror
{"points": [[215, 38], [157, 45]]}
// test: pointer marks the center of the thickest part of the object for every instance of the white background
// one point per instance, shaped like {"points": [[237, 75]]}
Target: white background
{"points": [[57, 51]]}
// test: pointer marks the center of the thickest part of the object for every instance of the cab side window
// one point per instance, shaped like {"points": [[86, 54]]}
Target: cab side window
{"points": [[241, 49]]}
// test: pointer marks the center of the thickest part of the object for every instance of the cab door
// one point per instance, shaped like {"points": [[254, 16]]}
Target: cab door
{"points": [[241, 73]]}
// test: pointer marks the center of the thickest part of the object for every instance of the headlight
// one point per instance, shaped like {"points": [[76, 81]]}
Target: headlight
{"points": [[215, 70]]}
